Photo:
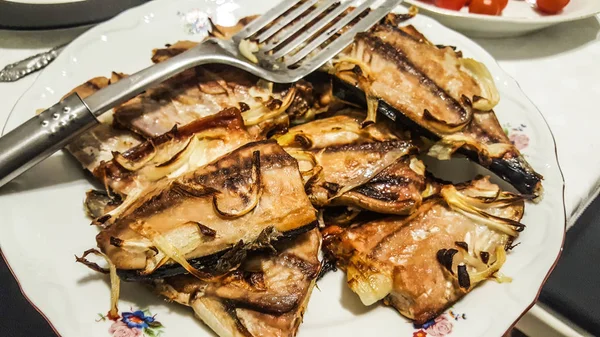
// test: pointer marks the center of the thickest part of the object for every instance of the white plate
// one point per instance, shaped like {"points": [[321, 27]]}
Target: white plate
{"points": [[43, 223], [518, 18]]}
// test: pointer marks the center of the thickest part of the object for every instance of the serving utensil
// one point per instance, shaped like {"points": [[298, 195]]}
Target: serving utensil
{"points": [[276, 46]]}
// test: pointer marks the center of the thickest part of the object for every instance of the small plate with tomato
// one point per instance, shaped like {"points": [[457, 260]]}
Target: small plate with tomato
{"points": [[504, 18]]}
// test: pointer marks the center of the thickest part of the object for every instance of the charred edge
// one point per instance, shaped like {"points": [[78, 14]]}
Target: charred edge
{"points": [[445, 257], [404, 64], [207, 263], [230, 118], [510, 246], [256, 280], [272, 306], [310, 270], [381, 147], [523, 179], [206, 231], [328, 264], [464, 281], [303, 141], [369, 191], [101, 220], [462, 245], [116, 241], [243, 106], [485, 257]]}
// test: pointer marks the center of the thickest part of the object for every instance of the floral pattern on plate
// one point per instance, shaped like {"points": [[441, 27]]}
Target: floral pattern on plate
{"points": [[139, 323], [440, 326], [517, 135]]}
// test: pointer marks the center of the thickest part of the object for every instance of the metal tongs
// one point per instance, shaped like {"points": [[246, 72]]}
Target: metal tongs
{"points": [[285, 44]]}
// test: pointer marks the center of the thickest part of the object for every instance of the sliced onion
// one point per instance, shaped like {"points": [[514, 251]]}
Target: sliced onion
{"points": [[257, 116], [489, 93], [248, 48], [115, 282], [177, 161], [136, 164], [417, 166], [444, 148], [164, 246], [369, 283]]}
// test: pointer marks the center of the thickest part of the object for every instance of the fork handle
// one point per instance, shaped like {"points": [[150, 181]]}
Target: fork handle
{"points": [[42, 135]]}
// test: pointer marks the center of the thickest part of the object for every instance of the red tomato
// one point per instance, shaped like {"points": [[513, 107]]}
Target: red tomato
{"points": [[503, 4], [551, 6], [489, 7], [451, 4]]}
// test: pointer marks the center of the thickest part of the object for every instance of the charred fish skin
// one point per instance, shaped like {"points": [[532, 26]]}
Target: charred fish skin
{"points": [[252, 192], [440, 111], [266, 296], [423, 263]]}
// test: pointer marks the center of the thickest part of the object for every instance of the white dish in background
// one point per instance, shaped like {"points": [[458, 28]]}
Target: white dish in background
{"points": [[44, 225], [518, 18]]}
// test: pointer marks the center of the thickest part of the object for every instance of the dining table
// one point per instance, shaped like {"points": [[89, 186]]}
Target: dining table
{"points": [[558, 69]]}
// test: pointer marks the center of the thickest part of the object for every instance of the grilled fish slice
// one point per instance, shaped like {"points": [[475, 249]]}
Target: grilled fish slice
{"points": [[205, 90], [173, 153], [247, 198], [97, 145], [424, 263], [266, 296], [344, 164], [436, 91]]}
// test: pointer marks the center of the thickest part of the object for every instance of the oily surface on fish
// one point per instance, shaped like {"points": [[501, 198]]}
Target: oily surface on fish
{"points": [[428, 88], [265, 296], [234, 199], [397, 259]]}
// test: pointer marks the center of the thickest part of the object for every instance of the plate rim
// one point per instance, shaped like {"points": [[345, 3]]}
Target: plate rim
{"points": [[548, 20], [461, 35]]}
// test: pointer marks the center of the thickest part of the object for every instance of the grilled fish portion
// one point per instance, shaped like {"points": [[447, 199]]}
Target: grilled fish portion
{"points": [[245, 199], [205, 90], [266, 296], [424, 263], [96, 145], [174, 153], [431, 89], [345, 164]]}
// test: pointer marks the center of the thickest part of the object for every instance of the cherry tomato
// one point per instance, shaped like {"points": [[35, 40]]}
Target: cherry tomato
{"points": [[551, 6], [503, 4], [451, 4], [489, 7]]}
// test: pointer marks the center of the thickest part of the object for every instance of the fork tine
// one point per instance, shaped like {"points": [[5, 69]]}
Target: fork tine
{"points": [[291, 45], [329, 33], [293, 29], [268, 17], [285, 21], [346, 38]]}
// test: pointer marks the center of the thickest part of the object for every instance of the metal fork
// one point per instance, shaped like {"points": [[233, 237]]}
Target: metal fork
{"points": [[286, 52]]}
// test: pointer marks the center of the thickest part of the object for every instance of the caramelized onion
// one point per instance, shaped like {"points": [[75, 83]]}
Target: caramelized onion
{"points": [[167, 248], [482, 76], [115, 282]]}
